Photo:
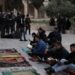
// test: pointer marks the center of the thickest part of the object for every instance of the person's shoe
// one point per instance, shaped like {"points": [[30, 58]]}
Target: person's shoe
{"points": [[21, 40], [25, 40]]}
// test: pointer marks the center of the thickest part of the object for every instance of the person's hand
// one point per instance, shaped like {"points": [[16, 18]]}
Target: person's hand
{"points": [[46, 51], [52, 61], [29, 46]]}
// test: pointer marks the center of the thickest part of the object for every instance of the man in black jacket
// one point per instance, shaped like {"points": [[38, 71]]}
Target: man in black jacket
{"points": [[28, 26], [57, 52], [54, 36], [22, 27], [67, 63]]}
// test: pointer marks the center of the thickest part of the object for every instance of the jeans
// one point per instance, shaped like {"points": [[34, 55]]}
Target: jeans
{"points": [[60, 67]]}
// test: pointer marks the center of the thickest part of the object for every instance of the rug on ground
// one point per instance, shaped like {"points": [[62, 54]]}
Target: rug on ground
{"points": [[12, 58], [26, 72], [26, 50]]}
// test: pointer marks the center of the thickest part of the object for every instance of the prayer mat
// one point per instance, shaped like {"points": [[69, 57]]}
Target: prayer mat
{"points": [[27, 72], [1, 73], [11, 58], [26, 50]]}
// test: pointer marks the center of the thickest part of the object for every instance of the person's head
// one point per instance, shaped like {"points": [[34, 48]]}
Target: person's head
{"points": [[40, 30], [72, 47], [37, 38], [55, 29], [27, 15], [33, 34], [57, 44]]}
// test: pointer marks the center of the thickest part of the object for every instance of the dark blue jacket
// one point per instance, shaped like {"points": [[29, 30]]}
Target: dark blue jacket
{"points": [[40, 48]]}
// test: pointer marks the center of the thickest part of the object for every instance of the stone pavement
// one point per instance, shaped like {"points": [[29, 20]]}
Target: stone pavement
{"points": [[67, 39]]}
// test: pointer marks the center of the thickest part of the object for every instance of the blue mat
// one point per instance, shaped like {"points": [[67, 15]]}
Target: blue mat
{"points": [[26, 50]]}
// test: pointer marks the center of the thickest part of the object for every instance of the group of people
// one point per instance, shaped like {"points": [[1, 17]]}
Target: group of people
{"points": [[10, 23], [63, 23], [49, 49]]}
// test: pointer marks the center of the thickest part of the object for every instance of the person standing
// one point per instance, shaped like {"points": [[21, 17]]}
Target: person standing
{"points": [[52, 21], [68, 24], [28, 21], [12, 23], [8, 22], [22, 28], [3, 22], [1, 19], [17, 21]]}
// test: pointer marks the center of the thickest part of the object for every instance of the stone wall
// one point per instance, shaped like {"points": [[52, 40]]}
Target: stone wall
{"points": [[35, 26]]}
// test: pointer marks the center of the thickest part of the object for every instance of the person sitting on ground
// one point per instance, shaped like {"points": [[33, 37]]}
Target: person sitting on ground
{"points": [[33, 42], [54, 36], [58, 51], [68, 63], [39, 49], [42, 35]]}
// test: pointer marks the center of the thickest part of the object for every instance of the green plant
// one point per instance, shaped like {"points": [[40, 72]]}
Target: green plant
{"points": [[63, 7]]}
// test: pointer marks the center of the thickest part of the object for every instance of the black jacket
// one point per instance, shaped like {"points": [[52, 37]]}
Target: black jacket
{"points": [[59, 54], [71, 57], [54, 36]]}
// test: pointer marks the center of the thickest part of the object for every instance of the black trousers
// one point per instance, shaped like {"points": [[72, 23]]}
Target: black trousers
{"points": [[28, 28], [41, 56], [22, 33]]}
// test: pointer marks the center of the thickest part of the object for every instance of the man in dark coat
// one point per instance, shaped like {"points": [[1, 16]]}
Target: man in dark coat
{"points": [[12, 23], [22, 27], [68, 24], [67, 63], [18, 21], [52, 21], [54, 36], [61, 22], [3, 27], [1, 19], [57, 52], [28, 21]]}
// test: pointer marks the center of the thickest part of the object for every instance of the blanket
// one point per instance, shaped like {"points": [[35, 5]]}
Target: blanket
{"points": [[12, 58]]}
